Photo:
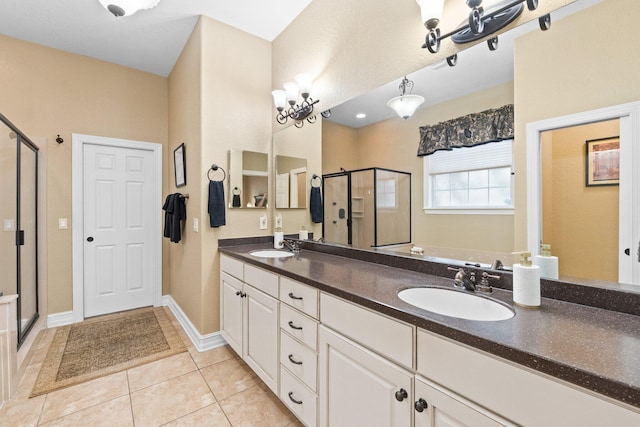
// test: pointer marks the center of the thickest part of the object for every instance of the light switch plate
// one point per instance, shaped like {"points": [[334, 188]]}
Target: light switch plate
{"points": [[263, 222], [195, 225], [62, 224], [279, 221]]}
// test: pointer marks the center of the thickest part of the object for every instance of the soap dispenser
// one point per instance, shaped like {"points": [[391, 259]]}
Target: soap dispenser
{"points": [[548, 264], [526, 282]]}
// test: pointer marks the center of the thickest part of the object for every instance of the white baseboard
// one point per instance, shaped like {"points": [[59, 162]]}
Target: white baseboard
{"points": [[201, 342], [59, 319]]}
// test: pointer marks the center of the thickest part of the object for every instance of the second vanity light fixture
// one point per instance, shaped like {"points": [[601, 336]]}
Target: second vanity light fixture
{"points": [[127, 7], [298, 112], [481, 23], [405, 104]]}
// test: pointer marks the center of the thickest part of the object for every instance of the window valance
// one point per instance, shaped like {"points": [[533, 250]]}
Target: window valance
{"points": [[467, 131]]}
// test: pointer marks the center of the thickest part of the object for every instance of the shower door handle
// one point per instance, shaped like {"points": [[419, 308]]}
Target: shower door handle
{"points": [[20, 238]]}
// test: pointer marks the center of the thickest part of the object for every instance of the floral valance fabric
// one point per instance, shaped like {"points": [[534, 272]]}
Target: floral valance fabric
{"points": [[467, 131]]}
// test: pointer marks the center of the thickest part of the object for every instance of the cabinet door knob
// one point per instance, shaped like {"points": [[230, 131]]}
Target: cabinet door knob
{"points": [[294, 361], [292, 326], [401, 395], [89, 239], [238, 293], [421, 405], [297, 402], [292, 296]]}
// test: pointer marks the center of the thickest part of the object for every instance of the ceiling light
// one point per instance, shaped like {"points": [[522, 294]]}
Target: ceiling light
{"points": [[405, 105], [127, 7], [361, 116]]}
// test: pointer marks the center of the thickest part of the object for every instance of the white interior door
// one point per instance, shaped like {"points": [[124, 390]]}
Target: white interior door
{"points": [[282, 190], [118, 210]]}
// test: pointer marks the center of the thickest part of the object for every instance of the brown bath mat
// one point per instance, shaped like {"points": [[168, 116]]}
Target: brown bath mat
{"points": [[104, 345]]}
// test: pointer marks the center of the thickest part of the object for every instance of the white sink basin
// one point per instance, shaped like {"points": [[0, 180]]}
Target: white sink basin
{"points": [[455, 304], [271, 254]]}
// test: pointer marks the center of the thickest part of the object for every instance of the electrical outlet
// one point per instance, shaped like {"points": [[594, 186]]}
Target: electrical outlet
{"points": [[263, 222], [279, 221], [195, 225]]}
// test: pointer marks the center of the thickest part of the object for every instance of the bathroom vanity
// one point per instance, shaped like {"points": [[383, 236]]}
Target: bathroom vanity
{"points": [[330, 336]]}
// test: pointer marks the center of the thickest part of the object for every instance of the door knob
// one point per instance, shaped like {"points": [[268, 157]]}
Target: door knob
{"points": [[89, 239], [627, 251]]}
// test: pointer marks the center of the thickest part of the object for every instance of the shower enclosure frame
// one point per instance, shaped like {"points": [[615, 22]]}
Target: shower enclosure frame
{"points": [[22, 139], [375, 203]]}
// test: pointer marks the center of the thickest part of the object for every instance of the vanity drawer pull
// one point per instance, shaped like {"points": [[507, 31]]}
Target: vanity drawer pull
{"points": [[297, 402], [292, 360], [292, 296], [292, 326]]}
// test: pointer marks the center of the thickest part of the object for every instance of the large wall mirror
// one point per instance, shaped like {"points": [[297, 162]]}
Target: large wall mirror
{"points": [[248, 179], [291, 182], [482, 80]]}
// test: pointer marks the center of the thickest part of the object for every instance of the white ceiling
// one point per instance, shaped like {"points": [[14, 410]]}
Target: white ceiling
{"points": [[150, 40]]}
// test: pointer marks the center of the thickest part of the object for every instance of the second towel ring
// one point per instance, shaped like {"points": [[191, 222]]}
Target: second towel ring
{"points": [[215, 168], [315, 179]]}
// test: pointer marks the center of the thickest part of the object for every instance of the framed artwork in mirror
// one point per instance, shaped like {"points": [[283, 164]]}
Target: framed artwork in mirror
{"points": [[179, 166], [603, 162]]}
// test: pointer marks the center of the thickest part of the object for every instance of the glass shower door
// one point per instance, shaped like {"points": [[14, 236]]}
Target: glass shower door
{"points": [[8, 209], [28, 237], [336, 209]]}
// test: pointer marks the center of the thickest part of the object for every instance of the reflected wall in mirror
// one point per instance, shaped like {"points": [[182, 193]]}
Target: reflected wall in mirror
{"points": [[580, 222], [291, 182], [560, 85], [248, 179]]}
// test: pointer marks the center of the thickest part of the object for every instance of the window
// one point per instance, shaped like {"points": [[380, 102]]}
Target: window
{"points": [[470, 179]]}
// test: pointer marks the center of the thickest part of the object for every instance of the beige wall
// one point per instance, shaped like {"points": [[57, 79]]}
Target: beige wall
{"points": [[46, 92], [339, 147], [580, 223], [570, 69]]}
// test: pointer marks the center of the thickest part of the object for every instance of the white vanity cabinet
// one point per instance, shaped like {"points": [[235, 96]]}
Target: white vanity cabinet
{"points": [[249, 317], [358, 386], [298, 349]]}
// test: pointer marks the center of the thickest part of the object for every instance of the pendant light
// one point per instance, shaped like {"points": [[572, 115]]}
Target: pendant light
{"points": [[405, 105], [127, 7]]}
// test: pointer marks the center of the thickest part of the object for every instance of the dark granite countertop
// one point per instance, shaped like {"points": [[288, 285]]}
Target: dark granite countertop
{"points": [[591, 347]]}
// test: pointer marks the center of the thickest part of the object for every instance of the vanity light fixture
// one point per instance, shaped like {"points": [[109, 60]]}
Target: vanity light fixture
{"points": [[298, 112], [405, 104], [480, 24], [127, 7]]}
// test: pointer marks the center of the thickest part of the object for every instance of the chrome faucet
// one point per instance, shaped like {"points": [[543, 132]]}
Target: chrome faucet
{"points": [[463, 280], [484, 285], [292, 245]]}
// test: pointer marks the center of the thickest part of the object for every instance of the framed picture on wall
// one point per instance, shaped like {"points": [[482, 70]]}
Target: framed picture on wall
{"points": [[603, 161], [179, 166]]}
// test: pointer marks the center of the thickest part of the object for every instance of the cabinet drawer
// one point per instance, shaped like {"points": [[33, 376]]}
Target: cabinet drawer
{"points": [[232, 266], [298, 359], [261, 279], [300, 296], [298, 398], [389, 337], [300, 326]]}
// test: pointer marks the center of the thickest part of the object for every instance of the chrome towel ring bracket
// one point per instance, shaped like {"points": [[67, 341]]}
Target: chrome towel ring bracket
{"points": [[215, 168], [316, 181]]}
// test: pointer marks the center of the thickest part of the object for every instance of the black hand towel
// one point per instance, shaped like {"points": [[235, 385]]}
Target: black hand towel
{"points": [[168, 216], [315, 204], [216, 204], [176, 211], [236, 201]]}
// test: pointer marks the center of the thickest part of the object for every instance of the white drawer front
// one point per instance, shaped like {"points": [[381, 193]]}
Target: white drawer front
{"points": [[261, 279], [302, 401], [300, 296], [232, 266], [300, 326], [389, 337], [298, 359]]}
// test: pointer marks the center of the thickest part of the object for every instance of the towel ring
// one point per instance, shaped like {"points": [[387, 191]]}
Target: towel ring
{"points": [[214, 168], [318, 182], [236, 191]]}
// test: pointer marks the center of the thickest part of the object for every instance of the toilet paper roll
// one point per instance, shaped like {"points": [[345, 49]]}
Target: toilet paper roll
{"points": [[548, 266], [526, 285]]}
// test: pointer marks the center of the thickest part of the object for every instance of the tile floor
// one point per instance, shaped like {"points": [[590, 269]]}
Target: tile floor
{"points": [[191, 389]]}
